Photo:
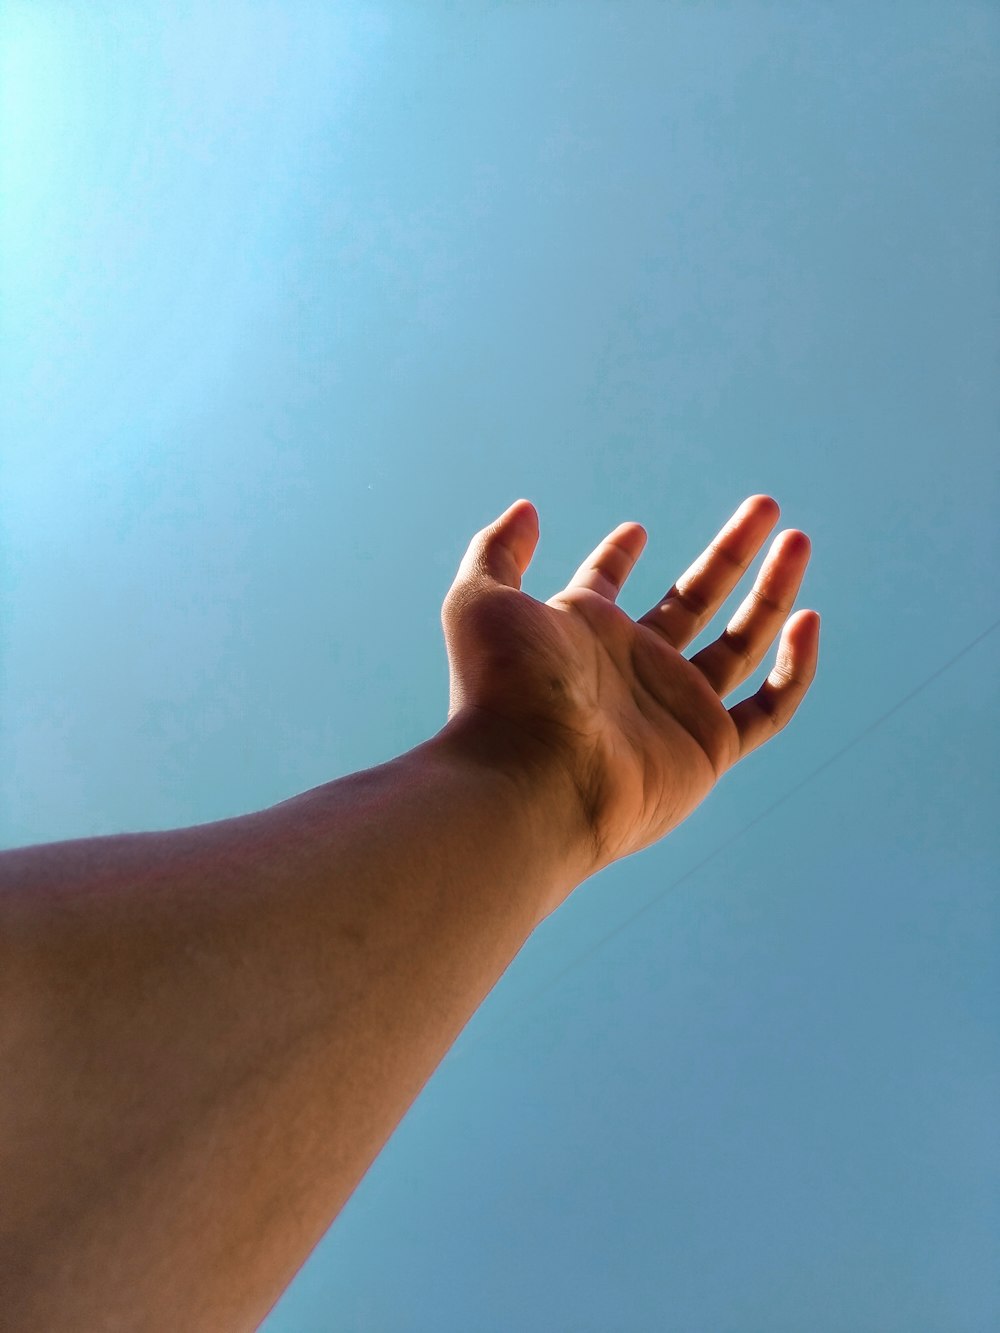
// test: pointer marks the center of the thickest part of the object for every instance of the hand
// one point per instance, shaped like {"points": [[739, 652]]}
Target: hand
{"points": [[641, 731]]}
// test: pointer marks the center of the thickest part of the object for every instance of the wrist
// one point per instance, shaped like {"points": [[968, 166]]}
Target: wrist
{"points": [[547, 800]]}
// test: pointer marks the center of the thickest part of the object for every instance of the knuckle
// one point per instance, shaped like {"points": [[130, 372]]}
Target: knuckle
{"points": [[720, 552], [765, 601], [689, 598], [738, 643]]}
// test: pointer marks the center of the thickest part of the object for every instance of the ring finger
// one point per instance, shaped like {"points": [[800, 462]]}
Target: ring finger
{"points": [[741, 646], [704, 586]]}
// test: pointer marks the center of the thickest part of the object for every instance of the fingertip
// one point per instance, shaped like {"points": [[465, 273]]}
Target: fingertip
{"points": [[802, 631], [762, 504], [638, 529], [517, 529], [795, 540], [520, 512]]}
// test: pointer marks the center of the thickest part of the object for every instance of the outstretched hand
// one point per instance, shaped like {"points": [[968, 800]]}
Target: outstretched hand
{"points": [[368, 917], [642, 732]]}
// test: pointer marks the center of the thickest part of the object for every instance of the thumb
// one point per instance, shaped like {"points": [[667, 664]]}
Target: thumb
{"points": [[502, 551]]}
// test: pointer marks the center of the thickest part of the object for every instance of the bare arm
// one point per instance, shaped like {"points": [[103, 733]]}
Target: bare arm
{"points": [[208, 1034]]}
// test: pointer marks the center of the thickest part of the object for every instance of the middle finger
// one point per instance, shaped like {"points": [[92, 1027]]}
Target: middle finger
{"points": [[704, 586]]}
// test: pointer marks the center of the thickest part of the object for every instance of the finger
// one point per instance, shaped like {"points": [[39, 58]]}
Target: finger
{"points": [[704, 586], [502, 551], [606, 568], [740, 648], [764, 714]]}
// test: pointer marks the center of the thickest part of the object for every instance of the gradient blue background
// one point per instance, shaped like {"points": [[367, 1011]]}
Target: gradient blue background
{"points": [[295, 298]]}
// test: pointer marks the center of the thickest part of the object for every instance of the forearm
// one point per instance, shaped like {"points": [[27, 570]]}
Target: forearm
{"points": [[210, 1033]]}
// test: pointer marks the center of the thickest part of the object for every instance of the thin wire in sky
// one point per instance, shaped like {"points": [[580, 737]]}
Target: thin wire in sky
{"points": [[599, 944]]}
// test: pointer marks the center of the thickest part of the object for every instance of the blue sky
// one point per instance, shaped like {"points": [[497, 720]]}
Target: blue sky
{"points": [[295, 297]]}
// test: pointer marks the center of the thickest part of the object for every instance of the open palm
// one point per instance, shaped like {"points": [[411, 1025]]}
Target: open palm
{"points": [[641, 730]]}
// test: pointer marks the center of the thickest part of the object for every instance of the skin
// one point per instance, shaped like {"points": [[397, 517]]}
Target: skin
{"points": [[208, 1034]]}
